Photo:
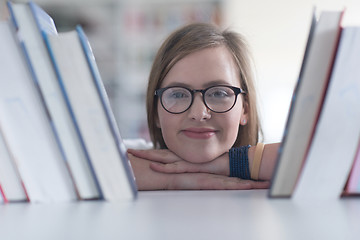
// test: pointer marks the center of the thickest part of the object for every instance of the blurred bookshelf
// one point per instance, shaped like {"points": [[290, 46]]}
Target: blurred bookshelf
{"points": [[144, 26]]}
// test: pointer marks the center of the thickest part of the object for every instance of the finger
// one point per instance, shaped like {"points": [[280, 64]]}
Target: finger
{"points": [[187, 167], [204, 181], [157, 155], [260, 184], [230, 183]]}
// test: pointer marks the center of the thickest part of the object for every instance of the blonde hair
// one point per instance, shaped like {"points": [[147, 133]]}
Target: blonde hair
{"points": [[187, 40]]}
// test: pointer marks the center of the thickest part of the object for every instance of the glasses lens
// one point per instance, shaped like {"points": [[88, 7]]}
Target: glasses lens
{"points": [[220, 98], [176, 99]]}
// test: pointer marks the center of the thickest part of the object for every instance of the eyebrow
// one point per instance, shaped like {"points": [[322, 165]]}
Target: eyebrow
{"points": [[208, 84]]}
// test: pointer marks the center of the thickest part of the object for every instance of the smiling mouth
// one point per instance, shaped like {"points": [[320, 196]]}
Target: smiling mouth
{"points": [[199, 133]]}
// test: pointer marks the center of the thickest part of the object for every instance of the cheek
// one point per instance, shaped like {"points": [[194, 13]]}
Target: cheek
{"points": [[236, 113], [231, 122], [231, 125], [166, 121]]}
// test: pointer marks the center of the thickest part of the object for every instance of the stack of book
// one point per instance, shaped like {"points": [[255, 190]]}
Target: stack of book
{"points": [[319, 154], [59, 140], [58, 137]]}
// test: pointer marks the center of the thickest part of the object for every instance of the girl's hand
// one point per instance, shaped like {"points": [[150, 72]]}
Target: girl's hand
{"points": [[147, 179], [165, 161]]}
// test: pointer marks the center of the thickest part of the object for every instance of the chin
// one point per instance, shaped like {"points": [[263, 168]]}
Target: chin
{"points": [[197, 157]]}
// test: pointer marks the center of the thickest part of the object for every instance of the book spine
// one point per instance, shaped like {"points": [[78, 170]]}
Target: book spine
{"points": [[2, 195], [12, 15], [106, 105], [16, 172], [353, 185], [43, 21], [71, 111], [293, 99], [49, 117], [323, 94]]}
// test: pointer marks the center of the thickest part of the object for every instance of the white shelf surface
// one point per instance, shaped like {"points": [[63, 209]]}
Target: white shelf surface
{"points": [[246, 214]]}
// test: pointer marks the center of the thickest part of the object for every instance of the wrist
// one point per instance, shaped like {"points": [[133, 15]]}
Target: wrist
{"points": [[251, 153], [256, 161], [245, 162]]}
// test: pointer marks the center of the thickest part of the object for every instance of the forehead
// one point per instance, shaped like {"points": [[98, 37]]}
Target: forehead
{"points": [[204, 68]]}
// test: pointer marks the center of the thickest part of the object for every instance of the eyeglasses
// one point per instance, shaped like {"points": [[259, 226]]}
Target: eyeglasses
{"points": [[219, 99]]}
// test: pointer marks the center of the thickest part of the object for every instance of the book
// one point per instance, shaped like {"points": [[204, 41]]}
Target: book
{"points": [[129, 174], [2, 198], [353, 184], [337, 133], [306, 102], [32, 22], [84, 91], [25, 123], [11, 184]]}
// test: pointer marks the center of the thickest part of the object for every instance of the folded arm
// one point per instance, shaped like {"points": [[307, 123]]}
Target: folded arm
{"points": [[148, 178], [165, 161]]}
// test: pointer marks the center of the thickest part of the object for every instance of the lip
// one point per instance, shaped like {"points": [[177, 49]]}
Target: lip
{"points": [[199, 133]]}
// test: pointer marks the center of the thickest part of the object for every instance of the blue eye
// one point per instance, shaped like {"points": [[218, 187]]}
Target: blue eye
{"points": [[218, 93], [178, 95]]}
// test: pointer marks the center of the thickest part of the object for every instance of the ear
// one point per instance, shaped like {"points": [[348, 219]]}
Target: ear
{"points": [[243, 120], [244, 116]]}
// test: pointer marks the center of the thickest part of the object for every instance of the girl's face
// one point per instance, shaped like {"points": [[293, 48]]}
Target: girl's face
{"points": [[198, 134]]}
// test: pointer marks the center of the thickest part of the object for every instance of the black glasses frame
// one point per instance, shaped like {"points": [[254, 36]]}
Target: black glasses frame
{"points": [[159, 92]]}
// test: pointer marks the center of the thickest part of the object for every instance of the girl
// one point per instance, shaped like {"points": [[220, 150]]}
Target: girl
{"points": [[201, 102]]}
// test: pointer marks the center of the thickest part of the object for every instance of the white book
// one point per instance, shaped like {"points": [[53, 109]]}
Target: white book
{"points": [[2, 200], [10, 180], [32, 23], [84, 91], [353, 184], [306, 103], [29, 135], [336, 138]]}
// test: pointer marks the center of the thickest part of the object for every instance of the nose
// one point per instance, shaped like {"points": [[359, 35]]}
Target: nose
{"points": [[198, 110]]}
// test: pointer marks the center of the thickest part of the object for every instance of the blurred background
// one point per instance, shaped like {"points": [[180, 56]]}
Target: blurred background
{"points": [[125, 36]]}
